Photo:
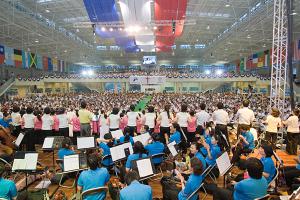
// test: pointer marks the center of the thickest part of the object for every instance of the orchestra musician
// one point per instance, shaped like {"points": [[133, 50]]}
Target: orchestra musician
{"points": [[8, 188], [134, 189]]}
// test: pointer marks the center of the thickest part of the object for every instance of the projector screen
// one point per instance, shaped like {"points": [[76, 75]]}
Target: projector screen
{"points": [[149, 60]]}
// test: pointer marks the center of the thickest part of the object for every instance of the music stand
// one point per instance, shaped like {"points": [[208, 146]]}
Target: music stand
{"points": [[85, 143], [121, 152], [26, 162], [19, 140], [172, 148], [224, 165], [144, 167], [117, 134], [143, 138], [49, 145]]}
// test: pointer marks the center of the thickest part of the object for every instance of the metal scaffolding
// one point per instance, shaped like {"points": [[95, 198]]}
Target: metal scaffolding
{"points": [[279, 55]]}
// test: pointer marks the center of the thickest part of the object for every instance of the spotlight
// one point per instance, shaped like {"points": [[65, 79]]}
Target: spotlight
{"points": [[90, 72], [155, 27], [219, 72], [84, 73], [103, 29], [111, 29], [207, 72]]}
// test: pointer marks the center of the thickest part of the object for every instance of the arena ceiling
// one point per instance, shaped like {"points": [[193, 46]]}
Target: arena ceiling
{"points": [[229, 29]]}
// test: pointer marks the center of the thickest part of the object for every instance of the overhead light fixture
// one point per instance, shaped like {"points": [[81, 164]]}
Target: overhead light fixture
{"points": [[219, 72], [208, 27], [103, 29], [36, 40], [120, 29], [264, 45], [155, 27], [293, 12], [111, 29], [65, 51], [248, 36], [77, 30], [47, 11], [225, 49], [207, 72]]}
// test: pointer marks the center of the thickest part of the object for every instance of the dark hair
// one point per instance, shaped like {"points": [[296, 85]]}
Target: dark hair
{"points": [[183, 108], [29, 110], [2, 169], [138, 148], [146, 127], [176, 126], [268, 150], [83, 104], [66, 143], [254, 167], [202, 106], [76, 112], [47, 110], [155, 137], [38, 115], [93, 161], [130, 177], [52, 111], [16, 108], [244, 127], [126, 134], [220, 105], [132, 107], [246, 103], [167, 109], [197, 145], [296, 112], [108, 136], [115, 111], [143, 112], [197, 166], [150, 109], [192, 113]]}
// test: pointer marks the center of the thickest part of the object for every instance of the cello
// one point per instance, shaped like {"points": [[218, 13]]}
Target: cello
{"points": [[6, 137]]}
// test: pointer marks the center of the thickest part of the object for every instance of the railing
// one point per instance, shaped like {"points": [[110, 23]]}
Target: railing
{"points": [[6, 85]]}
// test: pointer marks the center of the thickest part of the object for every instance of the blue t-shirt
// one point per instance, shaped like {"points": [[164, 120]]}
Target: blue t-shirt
{"points": [[269, 167], [250, 189], [208, 139], [92, 179], [8, 189], [106, 151], [135, 191], [5, 123], [122, 140], [202, 159], [250, 139], [191, 185], [215, 151], [155, 148], [65, 152], [133, 157], [175, 137]]}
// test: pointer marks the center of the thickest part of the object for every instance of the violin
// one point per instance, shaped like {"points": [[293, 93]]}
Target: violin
{"points": [[7, 138]]}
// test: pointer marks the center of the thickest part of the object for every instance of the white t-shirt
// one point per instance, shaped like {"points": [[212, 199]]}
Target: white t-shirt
{"points": [[47, 122], [220, 116], [63, 121], [292, 124], [28, 120], [202, 118], [132, 118], [245, 116], [15, 117], [272, 123], [165, 121], [114, 121], [150, 118], [182, 118]]}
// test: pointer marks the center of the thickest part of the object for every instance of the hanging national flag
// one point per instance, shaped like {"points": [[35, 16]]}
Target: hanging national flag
{"points": [[50, 66], [32, 60], [54, 63], [267, 58], [2, 54], [39, 63], [25, 59], [242, 65], [9, 54], [297, 50], [18, 57], [261, 59], [249, 62], [45, 63]]}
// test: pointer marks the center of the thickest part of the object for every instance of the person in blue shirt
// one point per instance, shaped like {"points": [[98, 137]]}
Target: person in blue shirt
{"points": [[138, 152], [195, 150], [6, 120], [194, 181], [249, 189], [213, 151], [175, 131], [245, 144], [155, 147], [93, 178], [8, 188], [126, 138], [266, 153], [135, 190], [105, 145], [65, 149]]}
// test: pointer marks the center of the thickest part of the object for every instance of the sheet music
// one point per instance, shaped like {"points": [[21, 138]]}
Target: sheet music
{"points": [[71, 162], [48, 143], [85, 142], [118, 153], [172, 149], [117, 134], [144, 167], [223, 163], [31, 160], [18, 164], [19, 139], [143, 138]]}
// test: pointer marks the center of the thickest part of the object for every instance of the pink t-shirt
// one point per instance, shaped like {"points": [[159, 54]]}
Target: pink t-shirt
{"points": [[123, 122], [55, 123], [157, 127], [37, 124], [76, 124], [138, 125], [192, 124]]}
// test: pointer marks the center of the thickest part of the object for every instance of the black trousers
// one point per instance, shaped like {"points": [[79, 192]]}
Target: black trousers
{"points": [[222, 194], [169, 189], [132, 130], [16, 131], [64, 132], [200, 130], [271, 138], [222, 129], [163, 131], [46, 133], [290, 173], [292, 143], [191, 137], [75, 135], [30, 139], [38, 136]]}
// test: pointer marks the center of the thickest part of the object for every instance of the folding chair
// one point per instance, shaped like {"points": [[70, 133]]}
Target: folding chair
{"points": [[158, 166], [266, 197], [109, 166], [92, 191], [59, 162], [196, 192], [210, 174]]}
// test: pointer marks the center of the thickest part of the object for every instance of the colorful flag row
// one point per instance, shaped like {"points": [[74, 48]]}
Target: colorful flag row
{"points": [[260, 59], [23, 59]]}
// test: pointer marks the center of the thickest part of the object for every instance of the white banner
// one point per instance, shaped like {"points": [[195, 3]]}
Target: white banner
{"points": [[147, 80]]}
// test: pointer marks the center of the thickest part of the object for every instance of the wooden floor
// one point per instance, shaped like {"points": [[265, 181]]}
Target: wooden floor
{"points": [[46, 159]]}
